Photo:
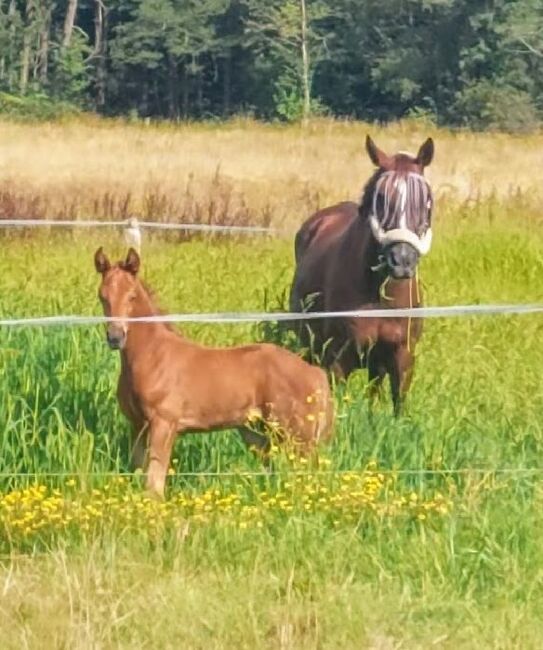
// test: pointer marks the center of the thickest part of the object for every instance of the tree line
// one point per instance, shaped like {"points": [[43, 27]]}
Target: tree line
{"points": [[475, 63]]}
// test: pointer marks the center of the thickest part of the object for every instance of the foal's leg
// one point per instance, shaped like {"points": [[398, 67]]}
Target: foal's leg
{"points": [[139, 445], [161, 439], [257, 442]]}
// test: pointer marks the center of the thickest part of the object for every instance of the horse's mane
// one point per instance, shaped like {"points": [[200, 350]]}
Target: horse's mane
{"points": [[151, 294], [366, 200]]}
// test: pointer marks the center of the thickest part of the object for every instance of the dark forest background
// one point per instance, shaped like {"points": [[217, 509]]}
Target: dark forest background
{"points": [[455, 62]]}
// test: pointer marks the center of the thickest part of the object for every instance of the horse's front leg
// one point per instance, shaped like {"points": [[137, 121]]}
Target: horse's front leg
{"points": [[400, 371], [129, 408], [259, 443], [161, 438], [342, 359], [376, 373], [139, 445]]}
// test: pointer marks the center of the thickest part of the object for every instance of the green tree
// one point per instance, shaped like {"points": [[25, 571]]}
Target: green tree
{"points": [[161, 46], [289, 43]]}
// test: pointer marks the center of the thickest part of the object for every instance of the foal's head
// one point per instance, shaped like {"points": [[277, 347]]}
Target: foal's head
{"points": [[117, 293], [397, 200]]}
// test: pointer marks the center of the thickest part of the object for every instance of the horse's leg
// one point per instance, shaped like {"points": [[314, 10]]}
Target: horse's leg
{"points": [[161, 439], [400, 371], [139, 445], [376, 373], [258, 443], [127, 402], [342, 361], [407, 377]]}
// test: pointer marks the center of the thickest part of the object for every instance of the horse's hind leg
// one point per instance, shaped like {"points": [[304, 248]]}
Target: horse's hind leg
{"points": [[400, 371], [376, 373], [139, 445], [257, 442]]}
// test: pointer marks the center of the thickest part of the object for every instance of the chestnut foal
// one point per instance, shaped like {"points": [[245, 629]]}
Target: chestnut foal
{"points": [[169, 385]]}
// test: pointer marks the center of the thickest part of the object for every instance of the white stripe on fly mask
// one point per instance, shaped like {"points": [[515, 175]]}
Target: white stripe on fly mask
{"points": [[401, 186]]}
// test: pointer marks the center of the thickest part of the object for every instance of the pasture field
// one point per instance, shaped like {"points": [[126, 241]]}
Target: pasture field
{"points": [[241, 171], [418, 532]]}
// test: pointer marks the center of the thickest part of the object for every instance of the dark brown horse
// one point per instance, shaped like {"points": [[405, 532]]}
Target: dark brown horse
{"points": [[365, 256], [170, 385]]}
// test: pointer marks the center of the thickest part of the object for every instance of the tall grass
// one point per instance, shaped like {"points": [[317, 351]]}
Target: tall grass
{"points": [[242, 171], [475, 399]]}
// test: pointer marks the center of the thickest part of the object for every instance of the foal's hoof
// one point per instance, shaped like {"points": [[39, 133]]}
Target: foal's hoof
{"points": [[154, 495]]}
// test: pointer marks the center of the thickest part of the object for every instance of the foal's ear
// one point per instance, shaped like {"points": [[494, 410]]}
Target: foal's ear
{"points": [[101, 262], [132, 262], [426, 153], [378, 157]]}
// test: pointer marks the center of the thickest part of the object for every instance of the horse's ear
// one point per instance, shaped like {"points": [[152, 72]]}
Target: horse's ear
{"points": [[101, 262], [132, 262], [378, 157], [426, 153]]}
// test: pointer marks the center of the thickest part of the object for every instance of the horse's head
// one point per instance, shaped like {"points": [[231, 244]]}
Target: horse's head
{"points": [[117, 293], [397, 201]]}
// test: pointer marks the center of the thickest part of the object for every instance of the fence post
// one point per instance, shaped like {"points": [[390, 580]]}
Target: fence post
{"points": [[132, 234]]}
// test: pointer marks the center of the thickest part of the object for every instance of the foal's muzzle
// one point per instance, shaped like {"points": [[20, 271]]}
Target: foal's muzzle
{"points": [[401, 259], [116, 337]]}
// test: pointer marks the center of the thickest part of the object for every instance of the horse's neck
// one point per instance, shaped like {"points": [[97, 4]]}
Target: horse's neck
{"points": [[361, 248], [143, 304], [143, 335]]}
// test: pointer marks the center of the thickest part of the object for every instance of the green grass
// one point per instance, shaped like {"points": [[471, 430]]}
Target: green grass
{"points": [[470, 579]]}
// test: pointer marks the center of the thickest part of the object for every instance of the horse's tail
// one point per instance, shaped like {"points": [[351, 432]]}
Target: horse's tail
{"points": [[326, 411], [298, 244]]}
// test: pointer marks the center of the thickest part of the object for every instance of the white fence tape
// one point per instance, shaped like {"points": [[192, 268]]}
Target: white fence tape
{"points": [[132, 227], [151, 225], [261, 317]]}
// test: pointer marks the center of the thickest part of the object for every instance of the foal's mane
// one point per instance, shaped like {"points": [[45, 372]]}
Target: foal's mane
{"points": [[156, 308], [151, 295]]}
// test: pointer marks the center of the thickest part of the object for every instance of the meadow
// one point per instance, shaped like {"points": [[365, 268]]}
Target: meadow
{"points": [[417, 532]]}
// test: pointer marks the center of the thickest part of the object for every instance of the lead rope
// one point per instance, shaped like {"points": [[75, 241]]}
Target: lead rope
{"points": [[417, 289], [382, 288], [383, 295], [409, 319]]}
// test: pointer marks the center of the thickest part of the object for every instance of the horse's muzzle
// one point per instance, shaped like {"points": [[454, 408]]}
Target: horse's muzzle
{"points": [[116, 339], [401, 259]]}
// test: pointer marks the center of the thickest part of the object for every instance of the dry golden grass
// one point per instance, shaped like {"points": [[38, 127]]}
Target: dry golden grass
{"points": [[239, 172]]}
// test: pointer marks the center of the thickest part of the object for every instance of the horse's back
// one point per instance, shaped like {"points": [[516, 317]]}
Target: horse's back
{"points": [[317, 243], [323, 226]]}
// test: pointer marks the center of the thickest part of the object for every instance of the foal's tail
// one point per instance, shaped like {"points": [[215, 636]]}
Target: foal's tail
{"points": [[326, 414]]}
